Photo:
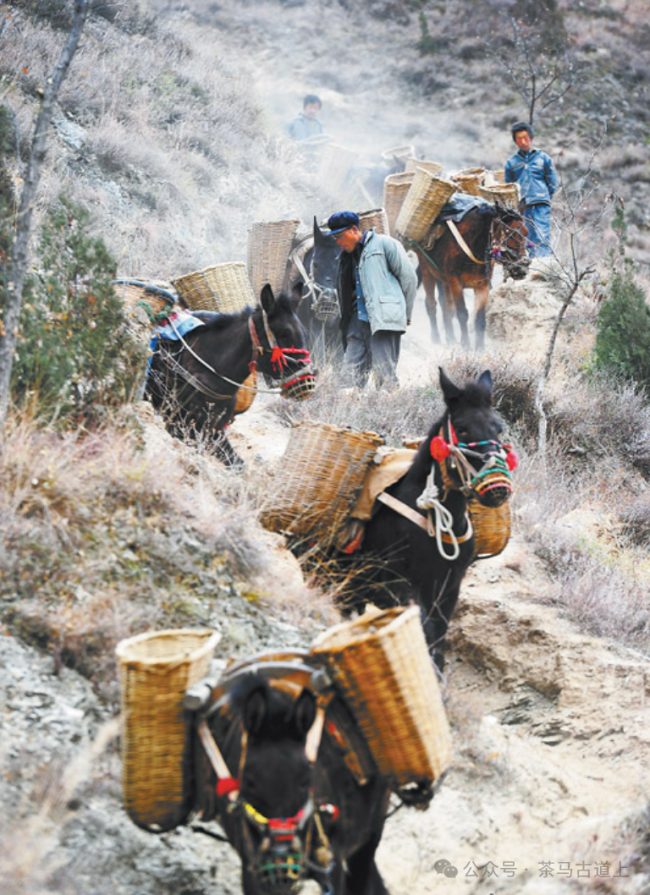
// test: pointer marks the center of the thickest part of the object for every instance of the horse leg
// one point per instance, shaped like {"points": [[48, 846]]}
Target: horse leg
{"points": [[436, 619], [226, 452], [429, 283], [481, 295], [448, 305], [462, 315], [363, 877]]}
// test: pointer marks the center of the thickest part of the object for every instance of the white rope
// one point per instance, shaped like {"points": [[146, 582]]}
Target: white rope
{"points": [[444, 521], [239, 385]]}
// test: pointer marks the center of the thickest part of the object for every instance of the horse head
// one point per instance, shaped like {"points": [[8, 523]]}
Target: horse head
{"points": [[510, 242], [275, 807], [467, 446], [323, 268], [285, 356]]}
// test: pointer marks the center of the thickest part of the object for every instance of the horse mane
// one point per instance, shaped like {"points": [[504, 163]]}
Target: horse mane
{"points": [[220, 321], [506, 213]]}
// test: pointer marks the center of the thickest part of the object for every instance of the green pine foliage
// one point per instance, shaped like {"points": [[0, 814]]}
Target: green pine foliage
{"points": [[623, 328], [73, 352]]}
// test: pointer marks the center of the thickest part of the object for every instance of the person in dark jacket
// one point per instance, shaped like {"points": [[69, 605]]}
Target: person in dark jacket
{"points": [[535, 173], [307, 124], [376, 289]]}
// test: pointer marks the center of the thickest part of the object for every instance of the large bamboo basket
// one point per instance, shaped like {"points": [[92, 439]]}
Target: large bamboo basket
{"points": [[376, 218], [396, 187], [398, 153], [423, 203], [469, 180], [491, 178], [506, 193], [136, 293], [155, 670], [269, 247], [492, 527], [431, 167], [224, 288], [382, 666], [318, 480]]}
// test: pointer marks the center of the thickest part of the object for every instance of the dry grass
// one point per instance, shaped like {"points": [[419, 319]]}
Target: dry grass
{"points": [[122, 530]]}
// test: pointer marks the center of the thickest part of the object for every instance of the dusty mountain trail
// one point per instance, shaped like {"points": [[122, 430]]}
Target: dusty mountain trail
{"points": [[551, 727]]}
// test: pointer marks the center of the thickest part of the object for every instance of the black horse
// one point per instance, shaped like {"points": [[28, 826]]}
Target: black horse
{"points": [[195, 381], [315, 261], [419, 543], [285, 789]]}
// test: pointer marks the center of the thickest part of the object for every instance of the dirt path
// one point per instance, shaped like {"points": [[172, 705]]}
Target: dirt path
{"points": [[551, 728]]}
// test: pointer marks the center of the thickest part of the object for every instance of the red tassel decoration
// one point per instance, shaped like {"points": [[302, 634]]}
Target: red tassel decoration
{"points": [[439, 448], [512, 460]]}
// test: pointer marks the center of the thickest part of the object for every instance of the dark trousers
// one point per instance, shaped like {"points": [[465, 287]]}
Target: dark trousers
{"points": [[366, 352]]}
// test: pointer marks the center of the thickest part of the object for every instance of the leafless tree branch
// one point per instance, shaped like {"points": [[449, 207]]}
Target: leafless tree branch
{"points": [[13, 285]]}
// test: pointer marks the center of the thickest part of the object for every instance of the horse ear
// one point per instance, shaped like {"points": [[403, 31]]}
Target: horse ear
{"points": [[255, 710], [485, 381], [450, 391], [268, 299], [304, 713], [296, 291], [319, 236]]}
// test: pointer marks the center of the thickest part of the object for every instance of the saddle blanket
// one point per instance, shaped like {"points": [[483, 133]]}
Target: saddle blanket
{"points": [[458, 206], [177, 325], [393, 464]]}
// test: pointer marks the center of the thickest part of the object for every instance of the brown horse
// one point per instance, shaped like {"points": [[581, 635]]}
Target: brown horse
{"points": [[490, 233]]}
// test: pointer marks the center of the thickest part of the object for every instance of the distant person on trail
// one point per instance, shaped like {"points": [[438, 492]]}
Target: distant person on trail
{"points": [[376, 285], [307, 124], [535, 173]]}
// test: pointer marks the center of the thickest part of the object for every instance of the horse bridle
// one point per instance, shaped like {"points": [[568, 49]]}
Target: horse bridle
{"points": [[278, 359], [499, 249], [315, 292], [494, 472]]}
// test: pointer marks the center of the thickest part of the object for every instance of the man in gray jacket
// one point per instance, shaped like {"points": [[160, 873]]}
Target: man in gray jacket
{"points": [[376, 289]]}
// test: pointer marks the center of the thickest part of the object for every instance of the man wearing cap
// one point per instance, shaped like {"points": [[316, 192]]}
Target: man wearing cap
{"points": [[376, 286], [535, 173]]}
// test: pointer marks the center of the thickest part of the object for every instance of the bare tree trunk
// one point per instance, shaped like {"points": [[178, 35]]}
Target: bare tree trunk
{"points": [[14, 285]]}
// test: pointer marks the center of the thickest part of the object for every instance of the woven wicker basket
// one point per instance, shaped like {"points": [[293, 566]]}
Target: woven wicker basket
{"points": [[506, 193], [490, 178], [431, 167], [398, 153], [376, 218], [318, 480], [492, 527], [381, 664], [155, 670], [223, 287], [469, 180], [269, 247], [424, 201], [134, 292], [396, 187]]}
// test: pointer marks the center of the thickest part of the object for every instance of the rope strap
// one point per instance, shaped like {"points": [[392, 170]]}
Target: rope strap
{"points": [[455, 232]]}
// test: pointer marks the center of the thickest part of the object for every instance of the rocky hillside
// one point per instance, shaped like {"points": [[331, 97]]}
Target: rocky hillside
{"points": [[169, 125], [169, 131]]}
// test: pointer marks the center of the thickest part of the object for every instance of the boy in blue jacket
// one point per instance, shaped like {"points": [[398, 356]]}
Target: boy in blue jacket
{"points": [[535, 173]]}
